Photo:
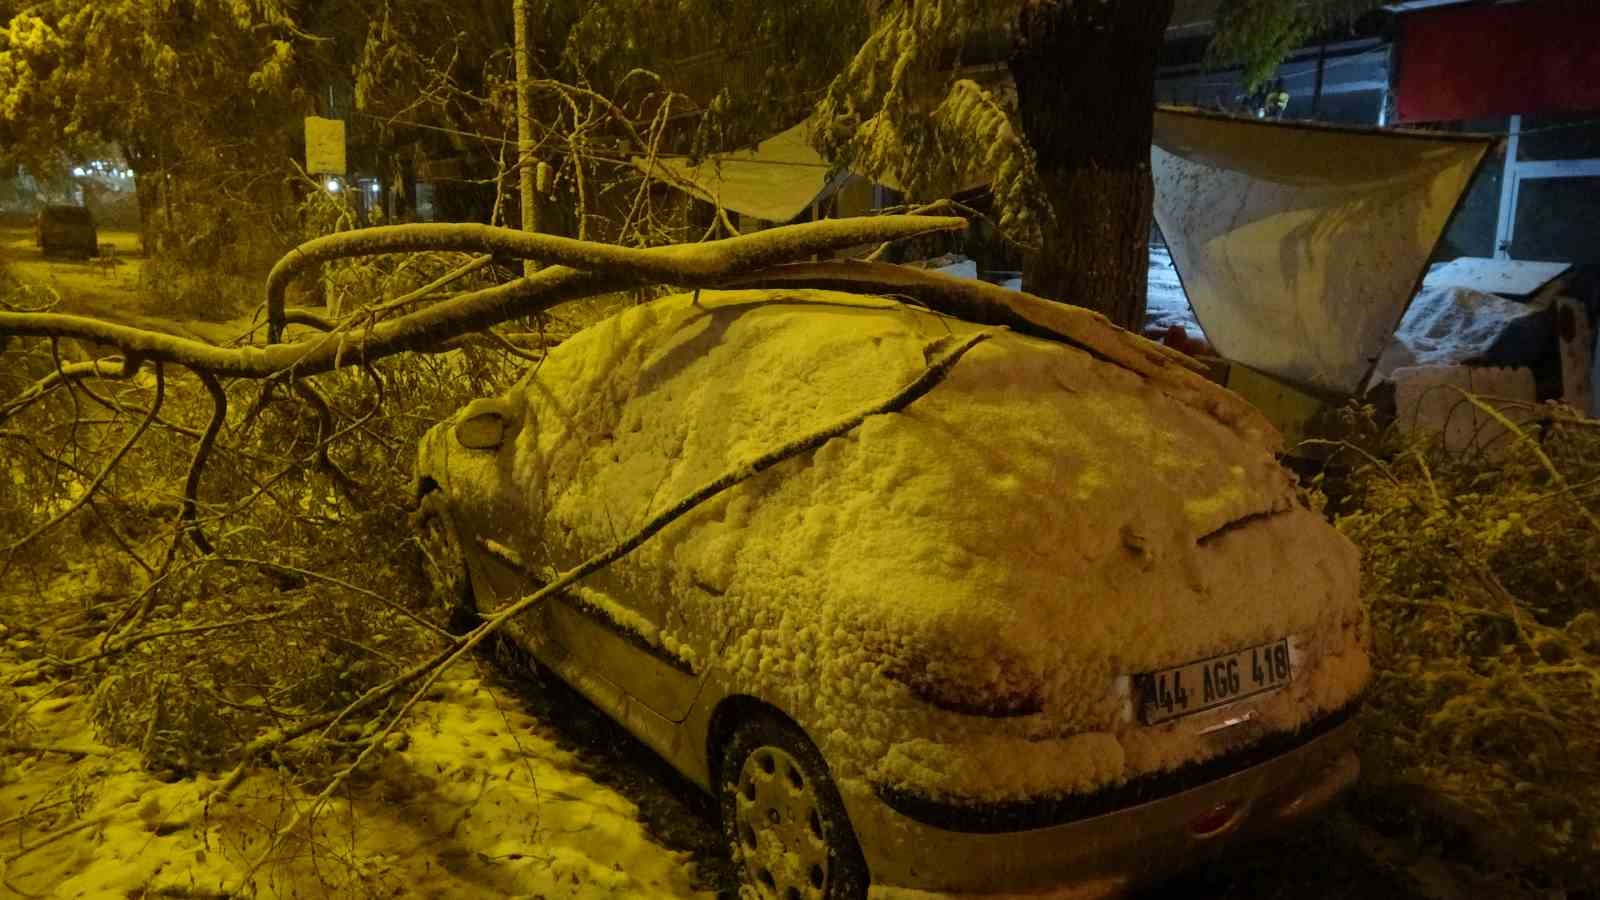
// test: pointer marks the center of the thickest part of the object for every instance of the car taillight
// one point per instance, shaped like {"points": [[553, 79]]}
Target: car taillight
{"points": [[992, 688]]}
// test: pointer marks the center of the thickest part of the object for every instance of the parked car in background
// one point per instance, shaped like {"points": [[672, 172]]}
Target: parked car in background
{"points": [[1056, 623], [66, 230]]}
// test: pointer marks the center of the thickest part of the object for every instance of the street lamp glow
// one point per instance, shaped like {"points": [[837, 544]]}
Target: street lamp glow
{"points": [[333, 185]]}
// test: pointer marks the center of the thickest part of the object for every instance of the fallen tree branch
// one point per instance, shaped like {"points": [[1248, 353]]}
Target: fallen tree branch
{"points": [[93, 486], [690, 265], [106, 367], [187, 518], [698, 264]]}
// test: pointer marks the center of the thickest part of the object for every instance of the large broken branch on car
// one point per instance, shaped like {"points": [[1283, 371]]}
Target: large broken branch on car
{"points": [[429, 672], [615, 268], [987, 304], [609, 268], [689, 265]]}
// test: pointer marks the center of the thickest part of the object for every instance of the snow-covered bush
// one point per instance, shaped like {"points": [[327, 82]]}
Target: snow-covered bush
{"points": [[306, 603], [184, 291], [284, 649], [1481, 571]]}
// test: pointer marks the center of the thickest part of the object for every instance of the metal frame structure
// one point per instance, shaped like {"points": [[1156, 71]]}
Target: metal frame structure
{"points": [[1518, 171]]}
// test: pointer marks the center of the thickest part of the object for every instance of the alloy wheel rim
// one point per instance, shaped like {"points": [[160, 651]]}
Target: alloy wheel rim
{"points": [[780, 827]]}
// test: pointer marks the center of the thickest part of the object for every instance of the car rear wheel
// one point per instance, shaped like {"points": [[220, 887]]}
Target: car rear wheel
{"points": [[445, 564], [786, 826]]}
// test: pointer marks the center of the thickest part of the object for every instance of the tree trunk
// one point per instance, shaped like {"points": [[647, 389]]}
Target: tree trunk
{"points": [[144, 192], [1085, 76]]}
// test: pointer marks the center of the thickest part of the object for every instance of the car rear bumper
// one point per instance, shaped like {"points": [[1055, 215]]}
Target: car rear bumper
{"points": [[1102, 854]]}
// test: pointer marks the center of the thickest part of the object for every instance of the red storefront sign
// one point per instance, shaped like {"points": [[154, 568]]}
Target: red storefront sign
{"points": [[1467, 62]]}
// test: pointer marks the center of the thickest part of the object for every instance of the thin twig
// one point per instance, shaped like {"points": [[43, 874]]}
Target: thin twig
{"points": [[136, 640], [120, 541], [32, 811], [1527, 440], [16, 747], [52, 837], [94, 485], [340, 582]]}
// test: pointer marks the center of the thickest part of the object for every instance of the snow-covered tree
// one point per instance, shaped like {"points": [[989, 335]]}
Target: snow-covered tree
{"points": [[179, 87], [1068, 155]]}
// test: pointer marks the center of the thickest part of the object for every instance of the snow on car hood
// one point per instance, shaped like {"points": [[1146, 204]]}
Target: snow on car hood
{"points": [[1040, 523]]}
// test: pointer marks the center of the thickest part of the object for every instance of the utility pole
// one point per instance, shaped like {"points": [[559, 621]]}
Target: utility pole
{"points": [[525, 164]]}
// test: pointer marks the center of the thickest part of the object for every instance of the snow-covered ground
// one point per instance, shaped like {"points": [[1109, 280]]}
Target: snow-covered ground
{"points": [[478, 799], [1165, 302]]}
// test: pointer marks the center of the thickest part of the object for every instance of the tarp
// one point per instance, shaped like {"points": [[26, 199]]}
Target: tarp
{"points": [[1300, 245], [1447, 326], [776, 182]]}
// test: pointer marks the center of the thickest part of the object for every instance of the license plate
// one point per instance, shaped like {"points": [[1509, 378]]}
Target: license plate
{"points": [[1209, 683]]}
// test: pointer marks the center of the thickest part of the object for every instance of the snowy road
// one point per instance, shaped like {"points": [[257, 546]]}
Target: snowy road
{"points": [[110, 289]]}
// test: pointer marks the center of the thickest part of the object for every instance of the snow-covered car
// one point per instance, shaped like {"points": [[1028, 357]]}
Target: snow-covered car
{"points": [[1062, 621], [65, 229]]}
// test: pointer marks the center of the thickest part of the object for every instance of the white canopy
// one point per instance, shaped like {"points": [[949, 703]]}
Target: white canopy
{"points": [[1301, 245]]}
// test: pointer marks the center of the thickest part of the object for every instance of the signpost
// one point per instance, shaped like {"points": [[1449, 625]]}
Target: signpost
{"points": [[325, 146], [325, 161]]}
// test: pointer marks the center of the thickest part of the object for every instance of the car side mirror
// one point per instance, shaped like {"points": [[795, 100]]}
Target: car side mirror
{"points": [[485, 424]]}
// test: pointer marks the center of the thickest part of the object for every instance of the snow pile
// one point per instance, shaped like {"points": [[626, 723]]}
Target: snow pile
{"points": [[477, 802], [1450, 325], [1166, 304], [1025, 536]]}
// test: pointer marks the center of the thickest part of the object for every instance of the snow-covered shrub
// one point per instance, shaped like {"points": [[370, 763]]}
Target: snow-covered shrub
{"points": [[45, 461], [185, 291], [1482, 575], [305, 604], [285, 648]]}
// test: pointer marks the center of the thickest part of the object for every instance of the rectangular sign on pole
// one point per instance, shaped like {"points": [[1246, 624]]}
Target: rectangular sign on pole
{"points": [[324, 146]]}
